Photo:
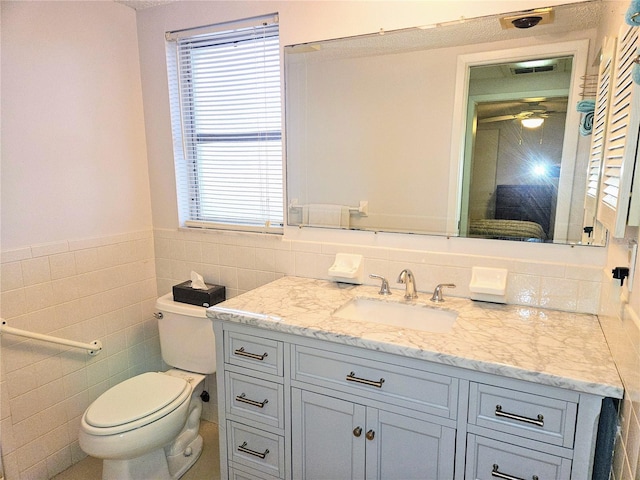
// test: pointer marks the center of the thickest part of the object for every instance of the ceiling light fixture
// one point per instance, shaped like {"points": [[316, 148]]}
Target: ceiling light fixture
{"points": [[532, 122]]}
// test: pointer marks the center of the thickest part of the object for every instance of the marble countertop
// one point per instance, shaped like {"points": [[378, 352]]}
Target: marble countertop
{"points": [[549, 347]]}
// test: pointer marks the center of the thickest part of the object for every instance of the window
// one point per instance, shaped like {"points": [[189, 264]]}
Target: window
{"points": [[224, 83]]}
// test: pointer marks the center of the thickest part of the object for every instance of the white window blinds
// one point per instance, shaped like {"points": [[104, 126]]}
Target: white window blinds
{"points": [[226, 116]]}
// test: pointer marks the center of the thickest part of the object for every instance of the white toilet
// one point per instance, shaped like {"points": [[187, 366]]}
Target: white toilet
{"points": [[147, 426]]}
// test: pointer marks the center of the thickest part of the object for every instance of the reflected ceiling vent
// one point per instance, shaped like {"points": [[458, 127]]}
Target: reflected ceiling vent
{"points": [[548, 65], [528, 19], [525, 70]]}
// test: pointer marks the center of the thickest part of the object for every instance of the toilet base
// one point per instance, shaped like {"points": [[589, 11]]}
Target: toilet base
{"points": [[152, 465], [183, 461], [155, 464]]}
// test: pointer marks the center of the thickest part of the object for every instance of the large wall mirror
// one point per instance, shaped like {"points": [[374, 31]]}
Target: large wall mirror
{"points": [[421, 130]]}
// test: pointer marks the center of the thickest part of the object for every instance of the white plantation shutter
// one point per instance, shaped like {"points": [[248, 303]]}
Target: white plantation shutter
{"points": [[622, 137], [226, 116], [599, 125]]}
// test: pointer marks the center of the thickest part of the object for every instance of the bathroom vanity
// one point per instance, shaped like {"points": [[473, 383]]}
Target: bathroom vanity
{"points": [[307, 391]]}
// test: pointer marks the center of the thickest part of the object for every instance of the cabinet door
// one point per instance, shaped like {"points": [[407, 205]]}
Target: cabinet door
{"points": [[408, 448], [327, 437], [598, 137], [621, 141], [337, 439]]}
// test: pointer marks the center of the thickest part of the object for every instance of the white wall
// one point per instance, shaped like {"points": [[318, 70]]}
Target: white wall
{"points": [[73, 143], [77, 247], [377, 121]]}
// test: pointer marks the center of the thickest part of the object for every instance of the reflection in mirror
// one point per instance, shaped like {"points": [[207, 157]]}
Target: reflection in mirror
{"points": [[510, 185], [372, 130]]}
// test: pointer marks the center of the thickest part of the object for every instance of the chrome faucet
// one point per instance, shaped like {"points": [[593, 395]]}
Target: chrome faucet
{"points": [[384, 286], [437, 293], [406, 277]]}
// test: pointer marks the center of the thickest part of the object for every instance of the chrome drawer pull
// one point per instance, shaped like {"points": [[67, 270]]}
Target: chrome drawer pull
{"points": [[241, 398], [352, 378], [255, 356], [539, 421], [496, 473], [243, 448]]}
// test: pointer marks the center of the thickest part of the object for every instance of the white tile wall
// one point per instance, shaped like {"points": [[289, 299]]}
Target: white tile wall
{"points": [[618, 316], [242, 262], [622, 329], [90, 289]]}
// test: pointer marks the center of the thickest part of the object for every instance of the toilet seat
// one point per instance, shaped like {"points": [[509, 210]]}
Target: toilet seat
{"points": [[135, 403]]}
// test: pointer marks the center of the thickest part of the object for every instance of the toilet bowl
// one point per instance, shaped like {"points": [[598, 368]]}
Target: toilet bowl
{"points": [[147, 426]]}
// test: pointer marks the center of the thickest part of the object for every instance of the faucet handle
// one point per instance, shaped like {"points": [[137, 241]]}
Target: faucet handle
{"points": [[384, 287], [437, 292]]}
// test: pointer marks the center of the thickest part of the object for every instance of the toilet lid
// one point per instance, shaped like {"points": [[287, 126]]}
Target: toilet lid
{"points": [[135, 398]]}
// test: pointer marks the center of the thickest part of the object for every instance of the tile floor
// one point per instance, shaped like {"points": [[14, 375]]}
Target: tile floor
{"points": [[206, 468]]}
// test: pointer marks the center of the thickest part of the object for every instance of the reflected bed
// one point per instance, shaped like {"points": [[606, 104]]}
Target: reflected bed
{"points": [[507, 230]]}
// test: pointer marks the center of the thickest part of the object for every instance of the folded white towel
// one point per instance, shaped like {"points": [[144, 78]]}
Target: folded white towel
{"points": [[327, 215]]}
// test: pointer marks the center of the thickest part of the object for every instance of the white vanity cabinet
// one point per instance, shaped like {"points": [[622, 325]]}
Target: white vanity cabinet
{"points": [[294, 407]]}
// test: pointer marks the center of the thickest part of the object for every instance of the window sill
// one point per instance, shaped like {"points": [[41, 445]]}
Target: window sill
{"points": [[194, 224]]}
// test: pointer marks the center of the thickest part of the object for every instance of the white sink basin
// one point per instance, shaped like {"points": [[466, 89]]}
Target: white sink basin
{"points": [[396, 314]]}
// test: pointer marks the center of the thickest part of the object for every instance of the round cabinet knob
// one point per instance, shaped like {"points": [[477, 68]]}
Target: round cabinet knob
{"points": [[357, 431], [370, 434]]}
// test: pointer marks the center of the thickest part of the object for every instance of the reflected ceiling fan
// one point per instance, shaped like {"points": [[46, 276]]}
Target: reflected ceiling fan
{"points": [[531, 117]]}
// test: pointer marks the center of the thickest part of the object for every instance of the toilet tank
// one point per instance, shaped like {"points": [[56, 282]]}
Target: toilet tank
{"points": [[187, 341]]}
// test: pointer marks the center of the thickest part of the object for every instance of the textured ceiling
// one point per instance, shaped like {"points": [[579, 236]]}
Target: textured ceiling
{"points": [[142, 4]]}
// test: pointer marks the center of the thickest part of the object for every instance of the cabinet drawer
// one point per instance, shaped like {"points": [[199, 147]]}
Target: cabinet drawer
{"points": [[236, 473], [412, 388], [256, 353], [527, 415], [489, 459], [254, 399], [255, 449]]}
